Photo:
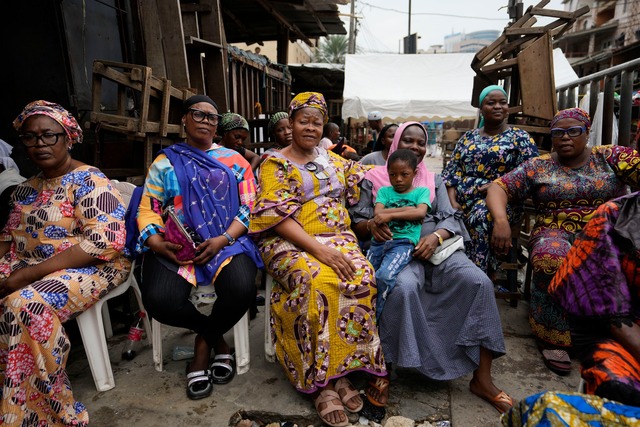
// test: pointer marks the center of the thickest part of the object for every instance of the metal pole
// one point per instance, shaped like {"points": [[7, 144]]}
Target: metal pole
{"points": [[352, 28], [409, 32]]}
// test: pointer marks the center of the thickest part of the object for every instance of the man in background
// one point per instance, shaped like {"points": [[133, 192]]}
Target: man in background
{"points": [[376, 125]]}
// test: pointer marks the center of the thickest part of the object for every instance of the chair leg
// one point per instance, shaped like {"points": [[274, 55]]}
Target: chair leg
{"points": [[156, 344], [269, 349], [95, 344], [241, 341]]}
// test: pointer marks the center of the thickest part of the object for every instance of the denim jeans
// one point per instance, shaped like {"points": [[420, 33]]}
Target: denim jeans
{"points": [[388, 259]]}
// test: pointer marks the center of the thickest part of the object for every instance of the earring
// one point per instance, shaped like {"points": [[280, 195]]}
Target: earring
{"points": [[69, 148]]}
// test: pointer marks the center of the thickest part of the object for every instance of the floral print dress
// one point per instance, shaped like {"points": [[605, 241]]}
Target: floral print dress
{"points": [[48, 217], [324, 327], [477, 160]]}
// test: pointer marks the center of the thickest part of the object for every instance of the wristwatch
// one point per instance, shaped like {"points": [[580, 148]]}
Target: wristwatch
{"points": [[229, 238], [440, 239]]}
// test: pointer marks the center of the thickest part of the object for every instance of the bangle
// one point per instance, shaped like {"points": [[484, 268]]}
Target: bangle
{"points": [[369, 224], [440, 239]]}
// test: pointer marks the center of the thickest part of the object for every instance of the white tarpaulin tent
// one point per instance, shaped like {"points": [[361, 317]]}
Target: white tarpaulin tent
{"points": [[418, 87]]}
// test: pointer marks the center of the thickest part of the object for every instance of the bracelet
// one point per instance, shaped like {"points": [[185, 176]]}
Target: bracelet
{"points": [[229, 238], [369, 224], [440, 239]]}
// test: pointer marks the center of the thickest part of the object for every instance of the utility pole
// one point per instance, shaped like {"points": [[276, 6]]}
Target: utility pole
{"points": [[352, 29], [409, 31]]}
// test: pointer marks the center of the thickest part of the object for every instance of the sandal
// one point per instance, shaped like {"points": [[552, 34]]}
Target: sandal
{"points": [[557, 361], [197, 379], [381, 384], [223, 368], [500, 398], [327, 397], [346, 391]]}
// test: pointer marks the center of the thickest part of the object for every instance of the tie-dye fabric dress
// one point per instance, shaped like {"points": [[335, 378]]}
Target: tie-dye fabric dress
{"points": [[323, 327], [48, 217]]}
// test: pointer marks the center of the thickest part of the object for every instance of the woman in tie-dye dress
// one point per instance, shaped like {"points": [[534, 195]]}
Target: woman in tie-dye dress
{"points": [[62, 251]]}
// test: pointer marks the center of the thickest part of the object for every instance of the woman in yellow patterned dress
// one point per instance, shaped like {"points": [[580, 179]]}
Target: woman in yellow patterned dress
{"points": [[61, 252], [322, 302]]}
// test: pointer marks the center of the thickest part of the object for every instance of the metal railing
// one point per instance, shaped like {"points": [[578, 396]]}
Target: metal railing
{"points": [[620, 76]]}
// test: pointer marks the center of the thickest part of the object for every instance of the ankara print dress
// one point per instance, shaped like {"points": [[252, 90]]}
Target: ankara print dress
{"points": [[48, 217], [324, 327]]}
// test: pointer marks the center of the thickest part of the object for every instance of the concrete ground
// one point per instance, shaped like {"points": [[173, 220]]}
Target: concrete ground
{"points": [[147, 398]]}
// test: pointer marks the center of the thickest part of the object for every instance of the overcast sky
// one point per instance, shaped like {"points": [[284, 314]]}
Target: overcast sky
{"points": [[382, 24]]}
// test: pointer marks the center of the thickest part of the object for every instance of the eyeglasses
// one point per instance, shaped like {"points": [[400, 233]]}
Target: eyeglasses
{"points": [[317, 170], [572, 131], [47, 138], [199, 116]]}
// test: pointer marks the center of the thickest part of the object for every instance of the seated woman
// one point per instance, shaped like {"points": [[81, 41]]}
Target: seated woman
{"points": [[209, 190], [280, 130], [234, 130], [323, 319], [480, 156], [598, 287], [62, 251], [418, 329], [566, 186], [381, 150]]}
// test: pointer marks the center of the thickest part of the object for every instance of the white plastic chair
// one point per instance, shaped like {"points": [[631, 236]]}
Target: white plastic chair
{"points": [[269, 349], [95, 324], [240, 339]]}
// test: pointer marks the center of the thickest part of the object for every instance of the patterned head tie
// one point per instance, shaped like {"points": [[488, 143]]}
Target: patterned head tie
{"points": [[572, 113], [56, 112], [231, 121], [309, 99], [275, 118]]}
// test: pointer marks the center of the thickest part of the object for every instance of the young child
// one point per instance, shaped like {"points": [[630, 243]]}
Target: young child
{"points": [[403, 207]]}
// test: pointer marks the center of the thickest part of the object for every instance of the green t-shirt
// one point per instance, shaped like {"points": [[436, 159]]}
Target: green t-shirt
{"points": [[388, 197]]}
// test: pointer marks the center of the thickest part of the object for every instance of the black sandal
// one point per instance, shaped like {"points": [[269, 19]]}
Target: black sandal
{"points": [[223, 368], [197, 379]]}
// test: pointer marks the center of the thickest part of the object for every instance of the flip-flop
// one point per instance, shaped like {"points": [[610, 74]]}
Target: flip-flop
{"points": [[327, 397], [223, 368], [347, 391], [557, 361], [501, 397], [380, 384], [196, 380]]}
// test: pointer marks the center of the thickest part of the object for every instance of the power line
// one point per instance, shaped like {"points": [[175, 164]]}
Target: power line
{"points": [[434, 14]]}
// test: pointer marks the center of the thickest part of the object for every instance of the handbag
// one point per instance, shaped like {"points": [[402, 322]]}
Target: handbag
{"points": [[445, 250], [181, 234]]}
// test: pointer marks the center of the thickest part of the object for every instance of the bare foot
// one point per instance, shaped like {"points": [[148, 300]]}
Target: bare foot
{"points": [[327, 399], [492, 394]]}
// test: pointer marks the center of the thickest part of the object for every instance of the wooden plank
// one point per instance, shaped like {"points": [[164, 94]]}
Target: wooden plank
{"points": [[152, 33], [524, 31], [500, 65], [535, 65], [215, 62], [175, 55], [540, 11], [534, 129], [201, 45], [164, 109]]}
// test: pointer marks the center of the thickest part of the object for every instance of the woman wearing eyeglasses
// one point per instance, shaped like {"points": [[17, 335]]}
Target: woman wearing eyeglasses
{"points": [[566, 186], [323, 320], [62, 249], [210, 190]]}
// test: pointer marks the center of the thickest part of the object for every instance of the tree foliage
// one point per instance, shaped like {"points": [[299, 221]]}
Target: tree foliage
{"points": [[332, 49]]}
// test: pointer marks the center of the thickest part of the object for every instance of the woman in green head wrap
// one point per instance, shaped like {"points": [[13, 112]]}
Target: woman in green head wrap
{"points": [[234, 130], [480, 156]]}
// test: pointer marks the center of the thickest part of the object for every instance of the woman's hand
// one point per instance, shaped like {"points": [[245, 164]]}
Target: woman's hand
{"points": [[453, 198], [426, 247], [501, 237], [166, 249], [16, 281], [209, 248], [381, 232], [344, 268], [483, 188]]}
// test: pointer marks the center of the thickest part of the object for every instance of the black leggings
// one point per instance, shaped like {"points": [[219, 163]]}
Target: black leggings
{"points": [[165, 295]]}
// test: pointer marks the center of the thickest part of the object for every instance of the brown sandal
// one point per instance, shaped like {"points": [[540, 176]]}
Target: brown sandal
{"points": [[380, 384], [347, 391], [327, 397]]}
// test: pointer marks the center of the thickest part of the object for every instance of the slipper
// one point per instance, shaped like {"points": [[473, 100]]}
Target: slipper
{"points": [[198, 379], [327, 397], [501, 397], [223, 368], [557, 361], [380, 384], [347, 391]]}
